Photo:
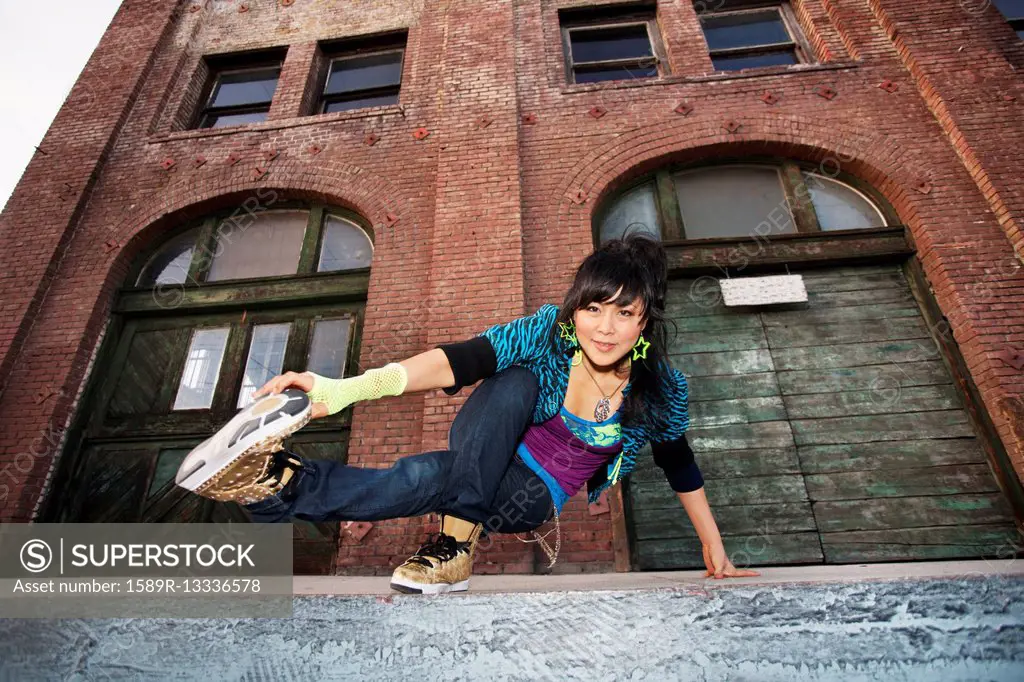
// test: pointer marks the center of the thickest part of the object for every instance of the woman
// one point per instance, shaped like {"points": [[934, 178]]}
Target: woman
{"points": [[569, 396]]}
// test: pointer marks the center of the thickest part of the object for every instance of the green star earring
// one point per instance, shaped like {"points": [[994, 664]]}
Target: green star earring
{"points": [[569, 333], [640, 349]]}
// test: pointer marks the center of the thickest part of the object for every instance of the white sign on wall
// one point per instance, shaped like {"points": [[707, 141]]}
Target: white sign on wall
{"points": [[763, 290]]}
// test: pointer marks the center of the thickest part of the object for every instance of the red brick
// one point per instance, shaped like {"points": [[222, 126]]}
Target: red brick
{"points": [[477, 222]]}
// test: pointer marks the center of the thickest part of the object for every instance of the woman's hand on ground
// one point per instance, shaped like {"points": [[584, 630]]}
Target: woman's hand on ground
{"points": [[719, 566], [300, 380]]}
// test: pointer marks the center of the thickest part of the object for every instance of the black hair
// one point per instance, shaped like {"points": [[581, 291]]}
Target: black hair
{"points": [[637, 264]]}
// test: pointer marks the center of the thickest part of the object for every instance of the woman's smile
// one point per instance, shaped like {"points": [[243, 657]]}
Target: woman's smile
{"points": [[604, 347]]}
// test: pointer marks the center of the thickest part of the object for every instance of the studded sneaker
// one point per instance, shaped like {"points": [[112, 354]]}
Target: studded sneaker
{"points": [[444, 563], [235, 464]]}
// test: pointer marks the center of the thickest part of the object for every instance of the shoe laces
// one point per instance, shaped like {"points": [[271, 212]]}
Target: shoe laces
{"points": [[276, 470], [442, 546]]}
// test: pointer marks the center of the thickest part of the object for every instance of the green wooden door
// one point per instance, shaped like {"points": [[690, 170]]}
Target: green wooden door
{"points": [[171, 383], [828, 431]]}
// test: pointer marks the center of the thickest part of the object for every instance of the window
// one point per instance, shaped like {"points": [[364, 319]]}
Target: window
{"points": [[346, 246], [1013, 10], [634, 211], [260, 245], [202, 367], [752, 36], [841, 207], [170, 264], [732, 202], [367, 73], [753, 200], [247, 244], [191, 346], [619, 43], [266, 358], [327, 351], [239, 89]]}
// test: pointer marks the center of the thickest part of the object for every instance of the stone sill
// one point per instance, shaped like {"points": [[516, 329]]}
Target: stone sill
{"points": [[758, 72], [278, 124], [687, 580]]}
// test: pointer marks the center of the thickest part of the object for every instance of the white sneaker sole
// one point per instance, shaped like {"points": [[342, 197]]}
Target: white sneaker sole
{"points": [[413, 587], [256, 429]]}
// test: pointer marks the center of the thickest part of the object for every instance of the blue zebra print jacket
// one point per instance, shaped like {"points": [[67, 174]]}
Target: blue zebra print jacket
{"points": [[527, 342]]}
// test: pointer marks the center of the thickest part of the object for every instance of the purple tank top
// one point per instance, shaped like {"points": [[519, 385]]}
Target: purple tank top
{"points": [[567, 459]]}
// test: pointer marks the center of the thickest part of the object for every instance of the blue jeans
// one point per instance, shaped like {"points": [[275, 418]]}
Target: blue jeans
{"points": [[478, 478]]}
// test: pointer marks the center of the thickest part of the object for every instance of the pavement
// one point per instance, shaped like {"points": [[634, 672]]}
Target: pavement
{"points": [[951, 620]]}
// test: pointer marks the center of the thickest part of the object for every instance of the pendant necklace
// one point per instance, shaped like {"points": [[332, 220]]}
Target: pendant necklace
{"points": [[604, 405]]}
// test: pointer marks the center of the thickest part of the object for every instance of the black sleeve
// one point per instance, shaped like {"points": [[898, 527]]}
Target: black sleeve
{"points": [[470, 361], [675, 457]]}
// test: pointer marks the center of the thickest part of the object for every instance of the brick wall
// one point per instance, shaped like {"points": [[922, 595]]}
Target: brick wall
{"points": [[481, 220]]}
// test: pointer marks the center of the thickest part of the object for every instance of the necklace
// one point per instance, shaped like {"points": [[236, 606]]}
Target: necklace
{"points": [[604, 405]]}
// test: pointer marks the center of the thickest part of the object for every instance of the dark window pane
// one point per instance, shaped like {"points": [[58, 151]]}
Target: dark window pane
{"points": [[248, 87], [170, 264], [361, 102], [221, 120], [634, 211], [360, 73], [744, 30], [610, 43], [748, 61], [166, 468], [615, 73], [1011, 9]]}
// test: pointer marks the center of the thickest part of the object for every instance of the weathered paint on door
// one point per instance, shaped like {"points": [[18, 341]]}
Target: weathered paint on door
{"points": [[827, 431], [124, 469]]}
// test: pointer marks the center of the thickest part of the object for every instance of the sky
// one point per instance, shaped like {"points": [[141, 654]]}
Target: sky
{"points": [[44, 46]]}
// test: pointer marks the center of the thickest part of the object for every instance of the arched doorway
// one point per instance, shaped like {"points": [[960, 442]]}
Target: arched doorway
{"points": [[832, 430], [220, 305]]}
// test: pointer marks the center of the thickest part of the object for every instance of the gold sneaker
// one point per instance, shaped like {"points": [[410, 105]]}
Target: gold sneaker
{"points": [[234, 465], [444, 563]]}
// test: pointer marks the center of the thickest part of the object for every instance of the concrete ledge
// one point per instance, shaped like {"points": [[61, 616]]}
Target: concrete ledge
{"points": [[588, 582], [906, 622]]}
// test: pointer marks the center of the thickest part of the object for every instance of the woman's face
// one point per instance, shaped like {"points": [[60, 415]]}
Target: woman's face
{"points": [[607, 323]]}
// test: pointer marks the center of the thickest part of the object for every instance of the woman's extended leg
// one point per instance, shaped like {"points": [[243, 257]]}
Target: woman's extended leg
{"points": [[523, 501], [483, 439], [461, 481]]}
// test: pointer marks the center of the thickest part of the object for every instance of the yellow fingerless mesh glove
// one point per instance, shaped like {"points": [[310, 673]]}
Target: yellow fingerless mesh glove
{"points": [[338, 394]]}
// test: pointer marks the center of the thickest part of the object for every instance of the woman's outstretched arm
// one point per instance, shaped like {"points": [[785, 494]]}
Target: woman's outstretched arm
{"points": [[449, 366], [427, 371], [422, 372]]}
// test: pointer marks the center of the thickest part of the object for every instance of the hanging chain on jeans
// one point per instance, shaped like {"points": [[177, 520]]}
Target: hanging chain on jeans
{"points": [[600, 414], [545, 546]]}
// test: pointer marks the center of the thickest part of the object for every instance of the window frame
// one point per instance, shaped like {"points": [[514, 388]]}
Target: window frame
{"points": [[219, 65], [790, 173], [1016, 23], [205, 246], [348, 48], [347, 216], [595, 20], [797, 41]]}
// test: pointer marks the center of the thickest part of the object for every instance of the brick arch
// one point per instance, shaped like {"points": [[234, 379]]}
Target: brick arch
{"points": [[194, 193], [889, 168], [370, 195]]}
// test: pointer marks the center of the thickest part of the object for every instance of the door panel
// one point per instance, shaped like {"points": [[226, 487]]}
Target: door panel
{"points": [[827, 431], [135, 438], [147, 369]]}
